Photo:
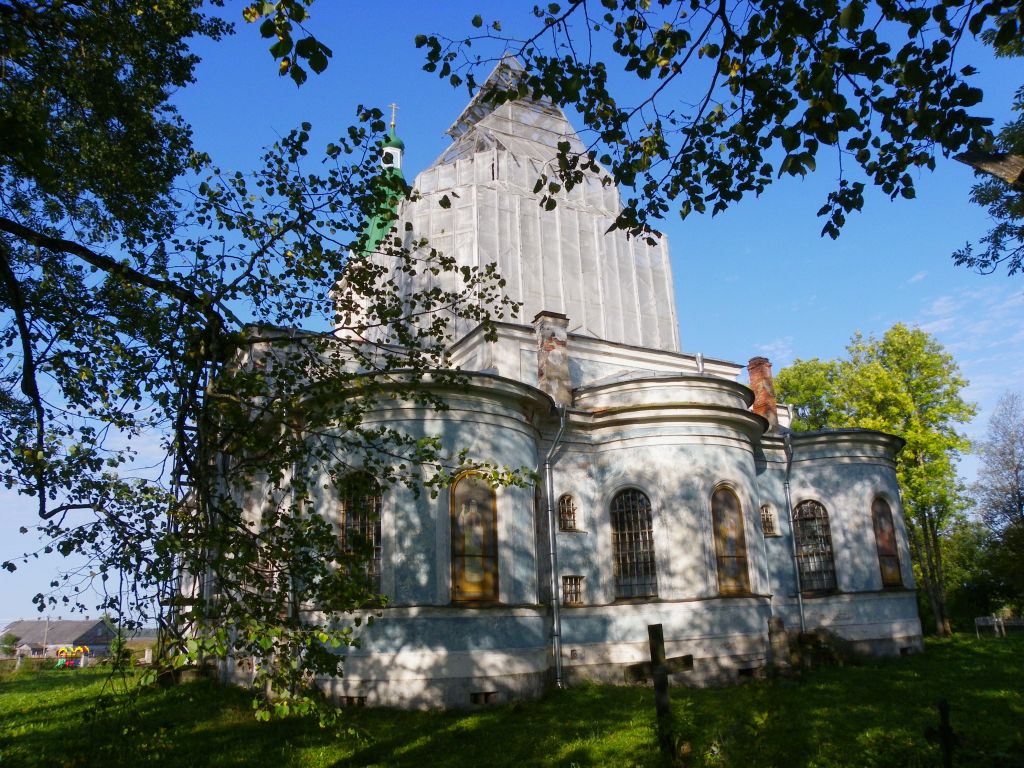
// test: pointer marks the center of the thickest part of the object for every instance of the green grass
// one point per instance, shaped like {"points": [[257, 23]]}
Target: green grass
{"points": [[870, 715]]}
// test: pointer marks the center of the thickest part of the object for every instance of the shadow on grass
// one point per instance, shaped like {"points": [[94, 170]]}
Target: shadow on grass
{"points": [[71, 722], [583, 726], [870, 715]]}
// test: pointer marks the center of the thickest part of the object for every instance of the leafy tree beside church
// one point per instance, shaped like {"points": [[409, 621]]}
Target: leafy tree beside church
{"points": [[202, 318], [998, 497]]}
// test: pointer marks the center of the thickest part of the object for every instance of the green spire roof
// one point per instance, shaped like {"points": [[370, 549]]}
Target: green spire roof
{"points": [[393, 141], [378, 226]]}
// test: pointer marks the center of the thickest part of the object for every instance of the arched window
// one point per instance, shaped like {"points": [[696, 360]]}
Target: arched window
{"points": [[814, 548], [566, 513], [730, 543], [885, 541], [360, 526], [474, 515], [633, 545]]}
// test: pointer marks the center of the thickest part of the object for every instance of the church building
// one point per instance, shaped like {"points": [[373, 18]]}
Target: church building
{"points": [[672, 493]]}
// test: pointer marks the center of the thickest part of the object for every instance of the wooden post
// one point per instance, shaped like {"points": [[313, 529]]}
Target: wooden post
{"points": [[658, 669], [659, 672], [944, 735]]}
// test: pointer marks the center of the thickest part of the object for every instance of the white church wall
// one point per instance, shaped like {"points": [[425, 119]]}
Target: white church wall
{"points": [[426, 656], [491, 420], [722, 635], [679, 472], [705, 399], [846, 473], [591, 361], [771, 473], [676, 440], [424, 650]]}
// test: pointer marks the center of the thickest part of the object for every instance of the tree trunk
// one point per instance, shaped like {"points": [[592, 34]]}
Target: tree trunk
{"points": [[943, 626], [924, 548]]}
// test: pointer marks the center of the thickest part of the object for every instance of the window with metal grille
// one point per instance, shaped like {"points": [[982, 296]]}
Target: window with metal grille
{"points": [[566, 513], [474, 529], [885, 541], [814, 548], [633, 545], [572, 590], [769, 527], [360, 527], [730, 543]]}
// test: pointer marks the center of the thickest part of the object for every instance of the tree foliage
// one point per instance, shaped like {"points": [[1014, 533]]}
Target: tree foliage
{"points": [[1002, 163], [739, 94], [998, 495], [905, 384], [142, 307], [999, 491], [89, 135], [284, 22], [8, 643], [971, 586]]}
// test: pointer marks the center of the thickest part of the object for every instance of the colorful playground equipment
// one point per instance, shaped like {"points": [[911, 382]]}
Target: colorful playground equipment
{"points": [[69, 658]]}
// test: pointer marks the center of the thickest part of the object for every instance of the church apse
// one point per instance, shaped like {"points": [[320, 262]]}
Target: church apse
{"points": [[680, 484]]}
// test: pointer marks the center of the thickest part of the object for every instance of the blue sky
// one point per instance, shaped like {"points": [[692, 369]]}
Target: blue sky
{"points": [[756, 280]]}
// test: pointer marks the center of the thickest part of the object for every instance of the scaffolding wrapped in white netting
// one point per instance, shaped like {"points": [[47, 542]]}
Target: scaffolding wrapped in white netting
{"points": [[477, 204]]}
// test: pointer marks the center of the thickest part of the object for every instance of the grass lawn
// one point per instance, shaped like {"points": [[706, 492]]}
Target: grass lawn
{"points": [[870, 715]]}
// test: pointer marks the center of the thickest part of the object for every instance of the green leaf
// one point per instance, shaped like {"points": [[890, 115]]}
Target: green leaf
{"points": [[1006, 33], [852, 16], [281, 48], [790, 139], [318, 60]]}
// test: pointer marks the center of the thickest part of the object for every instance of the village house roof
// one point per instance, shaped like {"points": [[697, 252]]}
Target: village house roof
{"points": [[60, 632]]}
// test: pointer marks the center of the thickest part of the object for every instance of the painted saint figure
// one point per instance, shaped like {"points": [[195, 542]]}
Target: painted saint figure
{"points": [[474, 540], [472, 527]]}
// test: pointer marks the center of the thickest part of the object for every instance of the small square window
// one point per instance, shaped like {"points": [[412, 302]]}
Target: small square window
{"points": [[768, 524], [572, 590]]}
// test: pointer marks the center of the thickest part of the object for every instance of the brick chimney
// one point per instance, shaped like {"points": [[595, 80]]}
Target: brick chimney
{"points": [[553, 356], [760, 371]]}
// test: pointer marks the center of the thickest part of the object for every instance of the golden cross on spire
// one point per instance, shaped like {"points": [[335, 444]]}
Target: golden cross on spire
{"points": [[394, 107]]}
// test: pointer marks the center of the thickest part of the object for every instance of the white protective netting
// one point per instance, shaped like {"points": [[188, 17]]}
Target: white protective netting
{"points": [[610, 286]]}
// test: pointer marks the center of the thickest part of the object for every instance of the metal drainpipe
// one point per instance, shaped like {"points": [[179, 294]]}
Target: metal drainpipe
{"points": [[788, 447], [766, 571], [556, 617]]}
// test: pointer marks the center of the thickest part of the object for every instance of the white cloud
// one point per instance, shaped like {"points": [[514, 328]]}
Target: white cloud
{"points": [[944, 305], [984, 331], [779, 351], [918, 277], [938, 326]]}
